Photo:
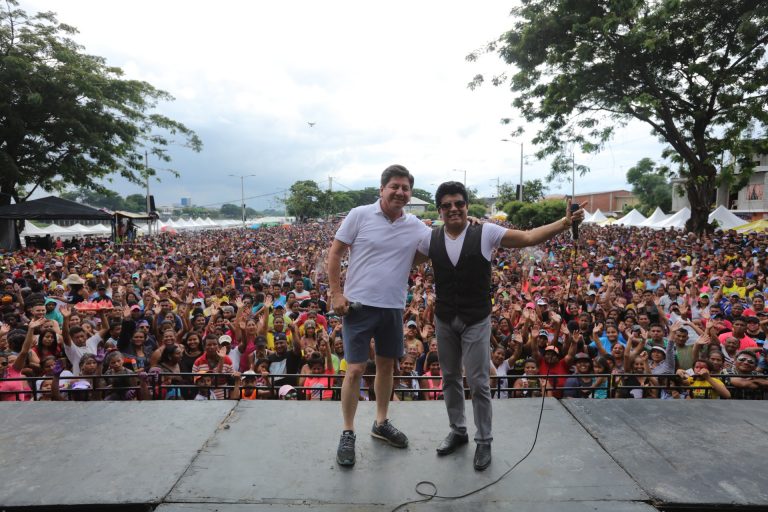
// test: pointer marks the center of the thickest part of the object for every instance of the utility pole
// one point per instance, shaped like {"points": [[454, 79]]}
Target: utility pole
{"points": [[242, 192], [465, 175], [146, 176], [573, 177], [520, 189], [521, 173]]}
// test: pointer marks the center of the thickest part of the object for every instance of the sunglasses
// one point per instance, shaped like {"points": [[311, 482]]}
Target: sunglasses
{"points": [[457, 204], [745, 360]]}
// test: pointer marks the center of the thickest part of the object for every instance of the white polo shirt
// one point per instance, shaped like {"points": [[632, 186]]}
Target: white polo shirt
{"points": [[380, 256]]}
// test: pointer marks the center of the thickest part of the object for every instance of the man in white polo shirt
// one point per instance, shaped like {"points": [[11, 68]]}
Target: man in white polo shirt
{"points": [[382, 241]]}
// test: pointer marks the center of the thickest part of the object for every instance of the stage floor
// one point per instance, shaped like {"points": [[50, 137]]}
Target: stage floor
{"points": [[617, 455]]}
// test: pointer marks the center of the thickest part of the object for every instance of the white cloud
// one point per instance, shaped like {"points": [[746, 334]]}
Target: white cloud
{"points": [[385, 83]]}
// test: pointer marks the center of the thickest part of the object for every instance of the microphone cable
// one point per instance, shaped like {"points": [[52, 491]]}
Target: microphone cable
{"points": [[428, 496]]}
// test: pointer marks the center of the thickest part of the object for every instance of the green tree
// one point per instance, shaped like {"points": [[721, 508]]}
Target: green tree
{"points": [[650, 184], [423, 195], [477, 210], [507, 192], [368, 195], [136, 203], [531, 215], [431, 215], [339, 202], [305, 200], [103, 198], [68, 118], [695, 72], [533, 190], [231, 211]]}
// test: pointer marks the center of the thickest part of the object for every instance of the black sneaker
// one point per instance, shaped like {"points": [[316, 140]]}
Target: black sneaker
{"points": [[390, 434], [345, 454]]}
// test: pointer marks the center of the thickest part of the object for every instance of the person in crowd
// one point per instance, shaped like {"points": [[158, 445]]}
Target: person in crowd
{"points": [[189, 284], [702, 383], [529, 384]]}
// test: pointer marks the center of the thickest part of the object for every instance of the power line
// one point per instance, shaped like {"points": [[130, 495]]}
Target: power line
{"points": [[246, 198], [343, 185]]}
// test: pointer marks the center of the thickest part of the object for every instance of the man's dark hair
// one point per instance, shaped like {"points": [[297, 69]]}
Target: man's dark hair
{"points": [[395, 171], [449, 188]]}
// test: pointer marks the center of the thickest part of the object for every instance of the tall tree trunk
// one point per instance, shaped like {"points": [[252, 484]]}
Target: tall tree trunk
{"points": [[7, 192], [700, 194]]}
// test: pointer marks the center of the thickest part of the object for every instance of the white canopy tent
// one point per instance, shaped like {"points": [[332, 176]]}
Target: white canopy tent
{"points": [[56, 230], [633, 218], [656, 217], [725, 218], [596, 217], [676, 221], [85, 230], [32, 230], [101, 229]]}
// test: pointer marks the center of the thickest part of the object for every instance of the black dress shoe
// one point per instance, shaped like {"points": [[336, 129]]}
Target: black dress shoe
{"points": [[482, 456], [451, 442]]}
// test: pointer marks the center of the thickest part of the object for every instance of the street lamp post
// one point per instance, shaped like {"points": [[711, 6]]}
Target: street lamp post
{"points": [[520, 192], [242, 192], [465, 175], [146, 175]]}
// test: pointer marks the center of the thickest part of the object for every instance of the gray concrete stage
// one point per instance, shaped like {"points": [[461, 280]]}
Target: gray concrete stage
{"points": [[279, 456], [685, 452]]}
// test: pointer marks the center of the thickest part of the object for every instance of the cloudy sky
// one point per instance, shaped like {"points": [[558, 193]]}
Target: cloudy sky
{"points": [[384, 83]]}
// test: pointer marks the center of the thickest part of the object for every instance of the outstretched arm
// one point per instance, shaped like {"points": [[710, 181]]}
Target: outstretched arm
{"points": [[514, 238]]}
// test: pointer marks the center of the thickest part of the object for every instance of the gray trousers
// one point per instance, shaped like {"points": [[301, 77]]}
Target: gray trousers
{"points": [[456, 342]]}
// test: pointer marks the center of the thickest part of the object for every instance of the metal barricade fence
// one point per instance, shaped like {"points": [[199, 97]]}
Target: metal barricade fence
{"points": [[501, 386]]}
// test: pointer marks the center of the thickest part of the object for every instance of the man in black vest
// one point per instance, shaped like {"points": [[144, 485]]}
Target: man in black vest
{"points": [[461, 259]]}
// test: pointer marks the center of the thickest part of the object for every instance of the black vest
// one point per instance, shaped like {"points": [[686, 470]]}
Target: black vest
{"points": [[463, 290]]}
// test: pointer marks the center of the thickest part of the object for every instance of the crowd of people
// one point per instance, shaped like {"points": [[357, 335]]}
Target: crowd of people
{"points": [[245, 314]]}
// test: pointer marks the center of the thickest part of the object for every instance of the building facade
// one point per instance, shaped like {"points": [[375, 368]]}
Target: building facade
{"points": [[611, 201], [416, 205], [750, 203]]}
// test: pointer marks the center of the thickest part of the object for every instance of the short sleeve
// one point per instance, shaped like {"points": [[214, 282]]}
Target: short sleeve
{"points": [[424, 243], [492, 235], [347, 232]]}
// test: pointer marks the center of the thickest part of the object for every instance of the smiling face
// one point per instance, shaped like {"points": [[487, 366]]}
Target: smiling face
{"points": [[498, 356], [395, 194], [407, 365], [745, 363], [453, 211]]}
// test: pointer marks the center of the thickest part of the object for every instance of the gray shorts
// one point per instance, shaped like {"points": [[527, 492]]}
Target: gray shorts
{"points": [[384, 325]]}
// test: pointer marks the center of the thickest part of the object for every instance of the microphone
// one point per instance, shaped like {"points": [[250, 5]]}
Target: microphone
{"points": [[574, 224]]}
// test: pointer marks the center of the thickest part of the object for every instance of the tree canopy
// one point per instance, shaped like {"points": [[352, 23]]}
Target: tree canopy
{"points": [[650, 184], [694, 72], [533, 191], [532, 215], [424, 195], [68, 118]]}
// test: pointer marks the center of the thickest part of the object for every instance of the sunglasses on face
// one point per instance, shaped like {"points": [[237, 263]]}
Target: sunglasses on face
{"points": [[748, 360], [457, 204]]}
